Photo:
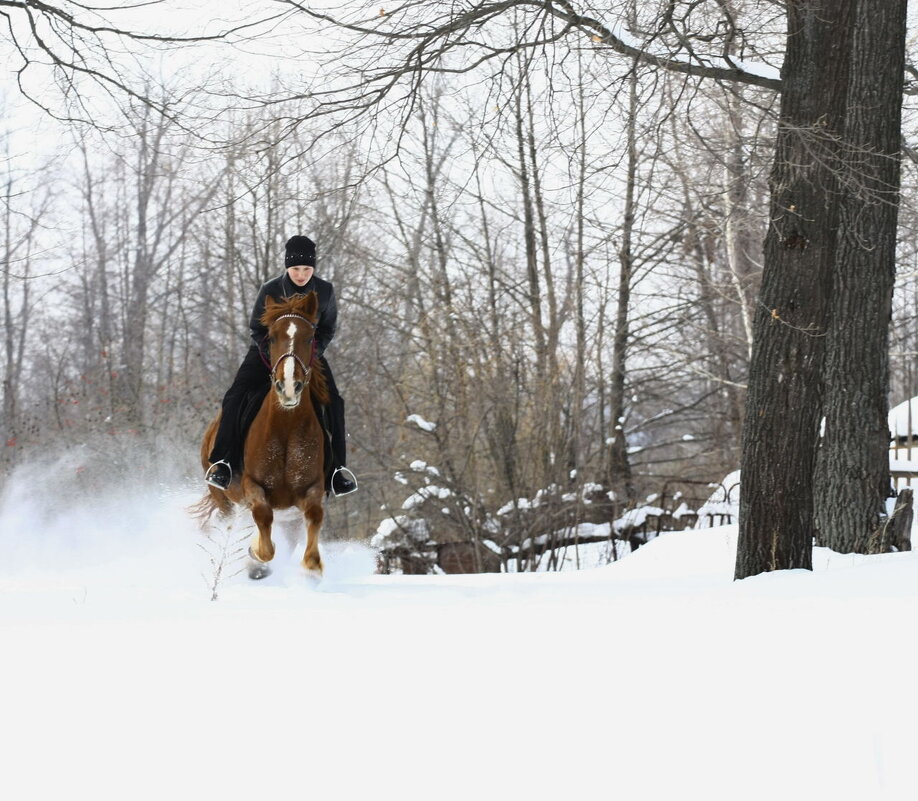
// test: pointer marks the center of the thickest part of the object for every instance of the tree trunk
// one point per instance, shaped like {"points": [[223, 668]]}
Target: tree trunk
{"points": [[734, 195], [896, 533], [10, 383], [619, 479], [577, 427], [783, 407], [853, 479]]}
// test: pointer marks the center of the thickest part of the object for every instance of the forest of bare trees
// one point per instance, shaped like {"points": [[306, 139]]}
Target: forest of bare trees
{"points": [[547, 227]]}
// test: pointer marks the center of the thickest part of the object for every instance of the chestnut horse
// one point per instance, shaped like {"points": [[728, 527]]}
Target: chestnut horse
{"points": [[283, 462]]}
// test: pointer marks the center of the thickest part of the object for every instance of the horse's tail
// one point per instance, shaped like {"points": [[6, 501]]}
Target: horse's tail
{"points": [[213, 501]]}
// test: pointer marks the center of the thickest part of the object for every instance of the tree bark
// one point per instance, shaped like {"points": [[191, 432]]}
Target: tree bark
{"points": [[853, 478], [619, 479], [577, 428], [783, 407]]}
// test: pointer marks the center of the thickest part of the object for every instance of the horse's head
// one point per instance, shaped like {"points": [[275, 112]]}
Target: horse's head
{"points": [[291, 328]]}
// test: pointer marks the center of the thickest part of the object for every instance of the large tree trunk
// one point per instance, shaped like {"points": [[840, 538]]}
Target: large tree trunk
{"points": [[783, 407], [853, 479]]}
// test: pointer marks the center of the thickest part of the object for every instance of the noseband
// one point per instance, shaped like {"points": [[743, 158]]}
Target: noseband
{"points": [[306, 369]]}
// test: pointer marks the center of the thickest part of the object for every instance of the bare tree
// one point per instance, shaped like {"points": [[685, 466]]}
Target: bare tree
{"points": [[791, 316], [66, 55], [21, 212]]}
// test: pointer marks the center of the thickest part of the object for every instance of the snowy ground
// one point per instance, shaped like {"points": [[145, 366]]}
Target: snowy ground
{"points": [[654, 678]]}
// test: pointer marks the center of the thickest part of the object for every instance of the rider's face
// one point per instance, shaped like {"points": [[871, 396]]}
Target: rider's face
{"points": [[300, 274]]}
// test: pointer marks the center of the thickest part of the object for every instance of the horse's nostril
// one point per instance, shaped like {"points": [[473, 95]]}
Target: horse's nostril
{"points": [[298, 387], [279, 386]]}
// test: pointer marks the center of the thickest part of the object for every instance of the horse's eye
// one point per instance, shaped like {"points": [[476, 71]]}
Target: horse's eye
{"points": [[270, 340]]}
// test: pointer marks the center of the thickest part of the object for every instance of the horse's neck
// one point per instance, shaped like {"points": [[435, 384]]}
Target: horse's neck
{"points": [[292, 418]]}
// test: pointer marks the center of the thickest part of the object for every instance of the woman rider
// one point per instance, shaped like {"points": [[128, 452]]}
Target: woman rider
{"points": [[253, 377]]}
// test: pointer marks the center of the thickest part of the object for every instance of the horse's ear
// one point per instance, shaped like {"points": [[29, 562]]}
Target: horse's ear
{"points": [[267, 316], [311, 307]]}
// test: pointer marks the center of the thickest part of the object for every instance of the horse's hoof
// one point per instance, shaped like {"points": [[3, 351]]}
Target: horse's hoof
{"points": [[313, 569], [258, 570]]}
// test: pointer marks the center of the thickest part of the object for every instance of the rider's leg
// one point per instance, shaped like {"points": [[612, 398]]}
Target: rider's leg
{"points": [[343, 480], [230, 438], [337, 431]]}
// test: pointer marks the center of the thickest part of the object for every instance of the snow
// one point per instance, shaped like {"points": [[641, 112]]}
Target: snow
{"points": [[658, 48], [756, 68], [401, 530], [420, 466], [682, 510], [902, 465], [723, 502], [634, 518], [424, 494], [420, 422], [520, 503], [654, 677], [387, 527], [901, 423]]}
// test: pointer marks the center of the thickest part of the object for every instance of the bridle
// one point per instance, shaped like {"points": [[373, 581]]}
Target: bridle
{"points": [[307, 369]]}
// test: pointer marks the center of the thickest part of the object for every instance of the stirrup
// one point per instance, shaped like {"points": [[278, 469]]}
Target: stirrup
{"points": [[347, 474], [210, 475]]}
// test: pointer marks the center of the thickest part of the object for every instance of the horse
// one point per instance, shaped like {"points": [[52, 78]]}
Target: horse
{"points": [[284, 460]]}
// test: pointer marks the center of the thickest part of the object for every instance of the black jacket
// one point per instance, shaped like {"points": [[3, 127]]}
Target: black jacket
{"points": [[281, 288]]}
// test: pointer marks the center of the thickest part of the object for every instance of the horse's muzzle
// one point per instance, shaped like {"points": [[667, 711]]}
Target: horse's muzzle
{"points": [[286, 399]]}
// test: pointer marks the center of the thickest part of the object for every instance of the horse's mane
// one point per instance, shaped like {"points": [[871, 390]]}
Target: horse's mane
{"points": [[318, 386], [305, 306]]}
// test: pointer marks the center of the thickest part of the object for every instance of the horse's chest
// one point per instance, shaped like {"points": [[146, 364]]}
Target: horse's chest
{"points": [[294, 462]]}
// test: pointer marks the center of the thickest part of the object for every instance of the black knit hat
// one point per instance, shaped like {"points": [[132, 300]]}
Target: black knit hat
{"points": [[300, 250]]}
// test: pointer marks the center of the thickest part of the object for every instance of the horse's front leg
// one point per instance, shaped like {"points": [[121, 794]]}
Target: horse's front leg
{"points": [[261, 551], [314, 513]]}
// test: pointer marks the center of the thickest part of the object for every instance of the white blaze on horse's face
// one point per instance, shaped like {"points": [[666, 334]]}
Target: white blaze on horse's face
{"points": [[287, 385], [290, 396]]}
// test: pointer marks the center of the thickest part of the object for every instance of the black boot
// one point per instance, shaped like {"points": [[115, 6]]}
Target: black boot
{"points": [[219, 475], [343, 482]]}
